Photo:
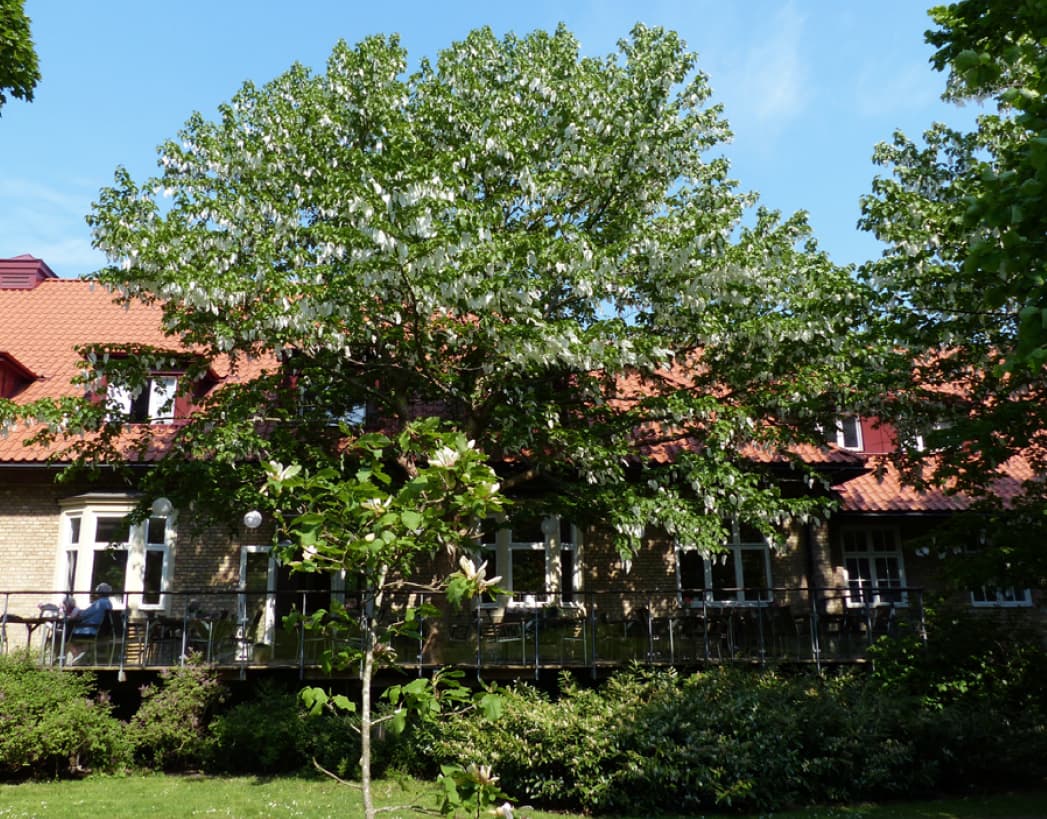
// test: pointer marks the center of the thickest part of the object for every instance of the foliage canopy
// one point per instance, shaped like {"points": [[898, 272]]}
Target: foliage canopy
{"points": [[964, 275], [963, 217], [19, 69], [534, 244]]}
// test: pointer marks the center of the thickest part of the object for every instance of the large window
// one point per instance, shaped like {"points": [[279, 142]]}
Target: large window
{"points": [[739, 574], [154, 404], [537, 559], [872, 560], [100, 546], [269, 591]]}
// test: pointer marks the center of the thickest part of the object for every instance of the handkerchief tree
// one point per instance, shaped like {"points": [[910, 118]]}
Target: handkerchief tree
{"points": [[536, 245]]}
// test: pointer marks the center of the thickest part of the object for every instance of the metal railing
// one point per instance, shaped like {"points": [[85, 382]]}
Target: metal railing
{"points": [[244, 630]]}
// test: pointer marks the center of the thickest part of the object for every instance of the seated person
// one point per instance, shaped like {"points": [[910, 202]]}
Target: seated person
{"points": [[86, 622]]}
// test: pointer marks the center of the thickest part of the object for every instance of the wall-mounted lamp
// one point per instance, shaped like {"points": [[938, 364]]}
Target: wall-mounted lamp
{"points": [[161, 507], [253, 519]]}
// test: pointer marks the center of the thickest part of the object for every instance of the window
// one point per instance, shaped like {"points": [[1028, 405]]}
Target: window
{"points": [[1001, 597], [537, 559], [920, 441], [741, 574], [847, 432], [100, 546], [991, 595], [269, 591], [153, 404], [872, 561]]}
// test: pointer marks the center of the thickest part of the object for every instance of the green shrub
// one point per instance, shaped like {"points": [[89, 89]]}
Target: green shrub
{"points": [[265, 734], [272, 733], [559, 754], [981, 680], [170, 729], [333, 743], [738, 739], [52, 725]]}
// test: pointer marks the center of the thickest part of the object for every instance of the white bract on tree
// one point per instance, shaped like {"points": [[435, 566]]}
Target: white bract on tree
{"points": [[542, 247]]}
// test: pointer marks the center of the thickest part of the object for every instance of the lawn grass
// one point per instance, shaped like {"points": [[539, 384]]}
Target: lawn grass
{"points": [[176, 796]]}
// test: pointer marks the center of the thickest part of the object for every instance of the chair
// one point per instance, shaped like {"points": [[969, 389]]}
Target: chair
{"points": [[51, 630], [717, 634], [573, 634], [660, 647], [107, 640], [502, 637]]}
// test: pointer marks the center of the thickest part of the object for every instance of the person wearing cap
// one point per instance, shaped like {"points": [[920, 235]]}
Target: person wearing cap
{"points": [[86, 622]]}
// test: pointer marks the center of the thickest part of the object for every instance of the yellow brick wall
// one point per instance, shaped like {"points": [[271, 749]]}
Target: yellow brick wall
{"points": [[29, 518]]}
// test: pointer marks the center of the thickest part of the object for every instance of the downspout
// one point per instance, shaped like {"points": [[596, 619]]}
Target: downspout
{"points": [[814, 600]]}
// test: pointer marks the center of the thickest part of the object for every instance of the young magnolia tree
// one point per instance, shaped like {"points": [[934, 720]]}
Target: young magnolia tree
{"points": [[354, 516], [540, 246], [964, 275]]}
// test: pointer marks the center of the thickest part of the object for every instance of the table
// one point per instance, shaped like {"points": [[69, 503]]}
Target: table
{"points": [[31, 625]]}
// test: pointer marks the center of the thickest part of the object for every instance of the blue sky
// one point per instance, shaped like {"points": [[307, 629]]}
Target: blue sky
{"points": [[809, 86]]}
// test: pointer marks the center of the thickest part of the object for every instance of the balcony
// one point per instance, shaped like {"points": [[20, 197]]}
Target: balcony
{"points": [[241, 632]]}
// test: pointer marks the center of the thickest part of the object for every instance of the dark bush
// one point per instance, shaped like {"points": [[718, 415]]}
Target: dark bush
{"points": [[738, 739], [52, 724], [266, 734], [170, 729], [981, 680], [272, 733], [333, 743]]}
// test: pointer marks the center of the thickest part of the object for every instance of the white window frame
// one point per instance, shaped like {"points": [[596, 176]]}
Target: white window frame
{"points": [[842, 424], [874, 589], [76, 560], [991, 596], [710, 595], [266, 628], [552, 545], [162, 392], [994, 597]]}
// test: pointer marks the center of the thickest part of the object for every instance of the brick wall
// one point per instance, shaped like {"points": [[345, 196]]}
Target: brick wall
{"points": [[29, 518]]}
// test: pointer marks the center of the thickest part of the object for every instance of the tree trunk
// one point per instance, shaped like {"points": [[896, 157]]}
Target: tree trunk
{"points": [[372, 605]]}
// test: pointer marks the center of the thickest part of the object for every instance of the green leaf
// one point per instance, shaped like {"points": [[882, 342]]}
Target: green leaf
{"points": [[411, 520], [343, 703], [491, 705], [397, 722]]}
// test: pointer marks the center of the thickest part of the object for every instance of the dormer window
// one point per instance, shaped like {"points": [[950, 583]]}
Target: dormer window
{"points": [[846, 433], [13, 376], [152, 404]]}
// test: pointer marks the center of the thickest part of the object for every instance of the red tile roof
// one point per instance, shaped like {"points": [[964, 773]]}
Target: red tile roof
{"points": [[882, 491], [41, 327], [635, 386]]}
